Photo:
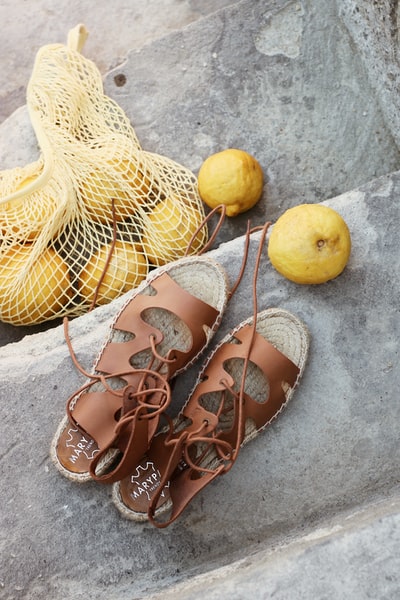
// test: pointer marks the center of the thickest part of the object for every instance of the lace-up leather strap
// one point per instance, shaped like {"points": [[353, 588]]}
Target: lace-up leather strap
{"points": [[196, 314], [184, 482], [125, 419], [276, 368]]}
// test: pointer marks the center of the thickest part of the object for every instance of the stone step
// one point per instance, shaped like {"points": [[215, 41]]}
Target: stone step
{"points": [[334, 449], [310, 509], [330, 561]]}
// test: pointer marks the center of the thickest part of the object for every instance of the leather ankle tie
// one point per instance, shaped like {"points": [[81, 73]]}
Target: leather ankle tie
{"points": [[120, 418]]}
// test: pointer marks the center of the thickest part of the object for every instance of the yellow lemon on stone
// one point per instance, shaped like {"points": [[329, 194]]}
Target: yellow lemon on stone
{"points": [[36, 294], [168, 229], [126, 269], [233, 178], [24, 218], [310, 244]]}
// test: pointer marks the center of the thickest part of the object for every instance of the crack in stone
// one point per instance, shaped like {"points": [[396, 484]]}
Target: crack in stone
{"points": [[8, 450], [394, 5]]}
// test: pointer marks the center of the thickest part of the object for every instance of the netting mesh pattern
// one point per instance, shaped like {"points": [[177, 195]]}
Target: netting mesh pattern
{"points": [[94, 200]]}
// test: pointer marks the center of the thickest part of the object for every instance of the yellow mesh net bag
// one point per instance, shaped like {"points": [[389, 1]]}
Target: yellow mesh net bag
{"points": [[86, 221]]}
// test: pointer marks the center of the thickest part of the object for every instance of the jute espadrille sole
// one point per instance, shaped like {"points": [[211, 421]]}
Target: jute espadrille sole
{"points": [[202, 278], [290, 337]]}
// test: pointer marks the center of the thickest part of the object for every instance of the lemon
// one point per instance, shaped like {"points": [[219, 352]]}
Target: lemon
{"points": [[120, 177], [233, 178], [310, 244], [36, 294], [24, 218], [127, 268], [168, 229]]}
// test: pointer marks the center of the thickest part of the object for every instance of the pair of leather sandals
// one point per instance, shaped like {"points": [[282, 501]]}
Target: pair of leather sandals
{"points": [[112, 431]]}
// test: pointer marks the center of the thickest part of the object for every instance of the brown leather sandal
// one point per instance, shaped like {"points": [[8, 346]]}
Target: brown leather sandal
{"points": [[244, 385], [160, 331]]}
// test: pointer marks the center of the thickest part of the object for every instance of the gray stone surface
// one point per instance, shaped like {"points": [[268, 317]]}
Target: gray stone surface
{"points": [[115, 28], [334, 448], [355, 556], [311, 509], [374, 29], [279, 79]]}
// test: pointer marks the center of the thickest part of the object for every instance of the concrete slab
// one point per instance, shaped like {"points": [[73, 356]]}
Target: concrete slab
{"points": [[353, 556], [311, 510], [335, 448], [279, 79], [374, 28], [115, 28]]}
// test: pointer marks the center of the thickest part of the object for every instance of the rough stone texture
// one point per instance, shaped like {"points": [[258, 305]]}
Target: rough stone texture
{"points": [[374, 29], [334, 448], [279, 79], [355, 556], [311, 510], [115, 28]]}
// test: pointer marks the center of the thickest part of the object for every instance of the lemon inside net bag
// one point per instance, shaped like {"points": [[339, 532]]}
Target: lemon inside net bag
{"points": [[86, 221]]}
